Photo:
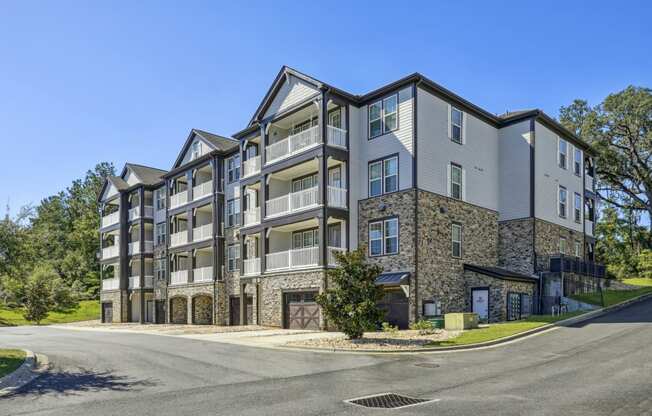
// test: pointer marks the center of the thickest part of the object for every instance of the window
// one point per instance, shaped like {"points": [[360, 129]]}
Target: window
{"points": [[195, 150], [232, 257], [456, 181], [562, 201], [578, 249], [431, 307], [383, 116], [160, 234], [233, 168], [562, 245], [578, 162], [304, 183], [383, 176], [578, 208], [232, 212], [159, 268], [563, 150], [456, 125], [160, 199], [456, 238], [305, 239], [383, 237], [335, 118]]}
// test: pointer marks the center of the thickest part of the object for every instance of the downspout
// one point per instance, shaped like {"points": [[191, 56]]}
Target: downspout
{"points": [[415, 185], [532, 210]]}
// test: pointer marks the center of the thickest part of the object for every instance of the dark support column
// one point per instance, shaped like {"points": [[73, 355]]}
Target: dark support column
{"points": [[190, 184], [142, 255], [191, 265], [263, 196], [243, 308], [242, 254], [264, 250], [323, 234], [263, 144]]}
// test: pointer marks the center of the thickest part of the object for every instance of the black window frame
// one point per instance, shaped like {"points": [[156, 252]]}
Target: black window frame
{"points": [[577, 208], [460, 242], [236, 263], [383, 129], [384, 237], [233, 173], [383, 178], [559, 202], [236, 214], [461, 126], [577, 164]]}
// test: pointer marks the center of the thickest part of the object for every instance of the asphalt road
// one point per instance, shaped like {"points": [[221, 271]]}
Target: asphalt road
{"points": [[601, 367]]}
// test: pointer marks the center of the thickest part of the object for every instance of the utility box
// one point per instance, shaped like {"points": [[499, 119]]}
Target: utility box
{"points": [[460, 321]]}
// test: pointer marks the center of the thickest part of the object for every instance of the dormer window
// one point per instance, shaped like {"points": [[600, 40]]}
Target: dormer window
{"points": [[195, 150], [562, 154]]}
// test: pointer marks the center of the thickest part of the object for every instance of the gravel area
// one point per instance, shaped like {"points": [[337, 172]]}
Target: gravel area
{"points": [[387, 341], [170, 329]]}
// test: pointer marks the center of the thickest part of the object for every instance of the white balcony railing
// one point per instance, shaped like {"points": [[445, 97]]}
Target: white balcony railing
{"points": [[179, 277], [589, 183], [178, 199], [292, 259], [292, 145], [252, 266], [331, 256], [178, 239], [252, 216], [336, 197], [111, 284], [294, 201], [202, 233], [112, 251], [111, 219], [588, 227], [134, 213], [336, 136], [134, 248], [202, 190], [251, 166], [203, 274], [134, 282], [149, 246]]}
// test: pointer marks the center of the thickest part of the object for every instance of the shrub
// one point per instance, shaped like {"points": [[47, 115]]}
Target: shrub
{"points": [[38, 294], [62, 296], [351, 303], [424, 327], [389, 328]]}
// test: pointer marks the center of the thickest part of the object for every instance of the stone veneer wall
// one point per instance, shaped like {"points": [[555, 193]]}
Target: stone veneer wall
{"points": [[498, 290], [515, 250], [271, 291], [547, 240], [118, 299], [440, 275], [188, 292], [401, 205]]}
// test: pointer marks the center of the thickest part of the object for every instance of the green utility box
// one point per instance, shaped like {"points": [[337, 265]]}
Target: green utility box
{"points": [[437, 323], [460, 321]]}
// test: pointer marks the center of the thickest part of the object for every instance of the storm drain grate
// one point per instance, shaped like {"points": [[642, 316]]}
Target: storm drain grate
{"points": [[387, 401]]}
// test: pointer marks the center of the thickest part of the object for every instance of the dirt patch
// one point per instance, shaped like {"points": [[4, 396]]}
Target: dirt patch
{"points": [[384, 341]]}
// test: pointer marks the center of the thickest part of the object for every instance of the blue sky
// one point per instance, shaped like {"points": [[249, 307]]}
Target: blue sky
{"points": [[84, 82]]}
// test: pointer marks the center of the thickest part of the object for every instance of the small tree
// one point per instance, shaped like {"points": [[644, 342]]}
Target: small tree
{"points": [[38, 294], [352, 301]]}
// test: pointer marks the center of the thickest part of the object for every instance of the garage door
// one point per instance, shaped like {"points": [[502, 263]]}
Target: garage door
{"points": [[396, 307], [301, 310], [107, 312]]}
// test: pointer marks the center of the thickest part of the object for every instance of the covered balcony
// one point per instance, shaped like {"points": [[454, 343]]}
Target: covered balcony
{"points": [[134, 247], [179, 263], [202, 270], [251, 211], [179, 230], [135, 211], [110, 213], [252, 163], [251, 260], [111, 276], [135, 271], [203, 223], [179, 192], [202, 182], [110, 244]]}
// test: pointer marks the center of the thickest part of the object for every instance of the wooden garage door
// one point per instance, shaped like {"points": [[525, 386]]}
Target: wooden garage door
{"points": [[107, 312], [301, 310], [396, 307], [234, 308]]}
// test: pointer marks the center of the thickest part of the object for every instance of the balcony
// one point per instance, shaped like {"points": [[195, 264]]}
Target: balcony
{"points": [[111, 284], [292, 259], [251, 167], [558, 263], [134, 282], [134, 248], [204, 232], [178, 199], [252, 216], [134, 213], [179, 277], [179, 239], [337, 197], [588, 227], [336, 136], [292, 145], [252, 266], [111, 219], [331, 256], [589, 183], [202, 190], [109, 252], [292, 202], [203, 274]]}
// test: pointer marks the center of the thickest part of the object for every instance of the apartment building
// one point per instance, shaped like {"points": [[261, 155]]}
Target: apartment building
{"points": [[462, 208]]}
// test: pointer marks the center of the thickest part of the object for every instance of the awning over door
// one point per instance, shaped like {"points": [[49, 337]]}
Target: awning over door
{"points": [[393, 279]]}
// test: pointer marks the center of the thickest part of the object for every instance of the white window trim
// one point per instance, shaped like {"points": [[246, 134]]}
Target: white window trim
{"points": [[450, 125], [449, 181], [577, 207], [581, 167], [453, 226], [236, 251], [578, 249], [565, 214], [559, 153], [195, 149], [382, 116], [383, 237], [236, 167], [386, 114], [565, 246]]}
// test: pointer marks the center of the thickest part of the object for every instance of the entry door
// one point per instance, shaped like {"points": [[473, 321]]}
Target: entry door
{"points": [[107, 313], [149, 311], [481, 303]]}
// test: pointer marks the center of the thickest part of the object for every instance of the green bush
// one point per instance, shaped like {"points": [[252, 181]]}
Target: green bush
{"points": [[424, 327], [38, 295], [389, 328]]}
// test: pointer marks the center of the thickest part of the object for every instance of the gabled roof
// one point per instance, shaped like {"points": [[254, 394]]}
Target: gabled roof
{"points": [[215, 142], [117, 181], [145, 174]]}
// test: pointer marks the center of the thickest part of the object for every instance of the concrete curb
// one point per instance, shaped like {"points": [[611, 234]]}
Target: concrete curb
{"points": [[496, 342], [33, 367]]}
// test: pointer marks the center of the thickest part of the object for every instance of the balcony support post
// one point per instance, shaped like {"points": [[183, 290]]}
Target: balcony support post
{"points": [[264, 141], [243, 309], [263, 196], [264, 248]]}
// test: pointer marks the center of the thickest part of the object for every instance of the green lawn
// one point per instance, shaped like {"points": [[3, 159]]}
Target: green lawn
{"points": [[612, 297], [638, 281], [10, 360], [501, 330], [87, 310]]}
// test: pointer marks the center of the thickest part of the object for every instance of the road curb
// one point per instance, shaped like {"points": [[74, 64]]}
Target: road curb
{"points": [[496, 342], [33, 367]]}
